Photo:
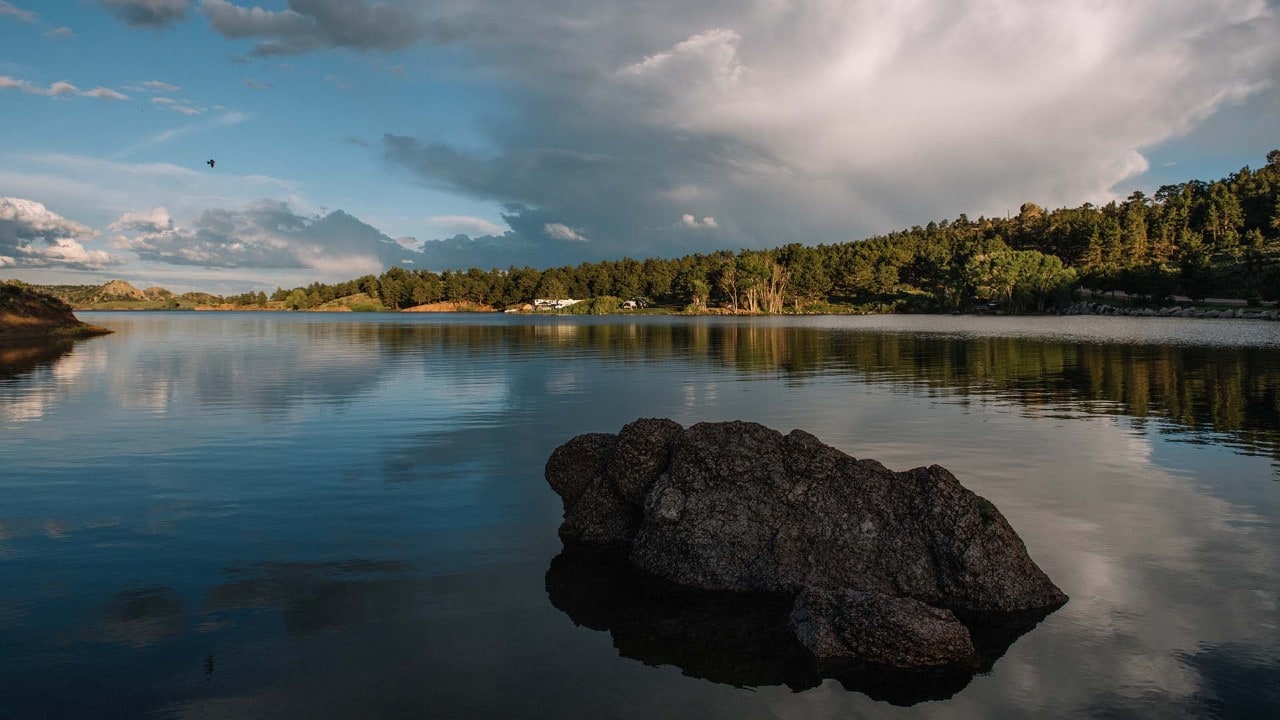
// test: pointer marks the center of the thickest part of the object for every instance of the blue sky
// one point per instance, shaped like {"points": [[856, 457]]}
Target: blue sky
{"points": [[450, 133]]}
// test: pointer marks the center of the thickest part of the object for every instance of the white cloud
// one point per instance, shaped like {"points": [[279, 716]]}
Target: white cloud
{"points": [[466, 224], [263, 234], [105, 94], [60, 88], [690, 221], [60, 33], [152, 221], [180, 106], [705, 63], [57, 89], [560, 231], [33, 236], [158, 86], [8, 9]]}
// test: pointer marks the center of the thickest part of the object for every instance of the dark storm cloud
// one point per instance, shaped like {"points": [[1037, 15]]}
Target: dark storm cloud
{"points": [[568, 204], [312, 25], [148, 13]]}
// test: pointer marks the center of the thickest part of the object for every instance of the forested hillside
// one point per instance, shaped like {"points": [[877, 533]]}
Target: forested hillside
{"points": [[1199, 239]]}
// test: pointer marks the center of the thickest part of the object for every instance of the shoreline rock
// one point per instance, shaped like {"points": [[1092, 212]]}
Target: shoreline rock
{"points": [[737, 507], [1086, 307]]}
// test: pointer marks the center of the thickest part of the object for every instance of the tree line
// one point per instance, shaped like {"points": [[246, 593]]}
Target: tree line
{"points": [[1199, 239]]}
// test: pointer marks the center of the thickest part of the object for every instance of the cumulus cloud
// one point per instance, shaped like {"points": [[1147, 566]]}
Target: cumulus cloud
{"points": [[57, 89], [152, 221], [703, 64], [825, 120], [265, 234], [8, 9], [148, 13], [311, 25], [560, 231], [157, 86], [33, 236], [60, 88], [466, 224], [690, 221], [105, 94]]}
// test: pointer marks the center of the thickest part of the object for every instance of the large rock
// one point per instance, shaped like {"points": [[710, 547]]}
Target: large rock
{"points": [[736, 506]]}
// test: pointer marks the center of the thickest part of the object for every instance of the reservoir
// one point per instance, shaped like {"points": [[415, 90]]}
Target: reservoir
{"points": [[310, 515]]}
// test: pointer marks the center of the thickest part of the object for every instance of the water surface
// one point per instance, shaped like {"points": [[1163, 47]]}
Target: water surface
{"points": [[306, 515]]}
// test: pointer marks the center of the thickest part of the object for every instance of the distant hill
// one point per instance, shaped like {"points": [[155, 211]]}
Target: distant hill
{"points": [[118, 290], [120, 295], [26, 314]]}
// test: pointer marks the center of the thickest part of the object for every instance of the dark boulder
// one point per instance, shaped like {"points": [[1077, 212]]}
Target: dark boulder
{"points": [[743, 507], [736, 506], [575, 465]]}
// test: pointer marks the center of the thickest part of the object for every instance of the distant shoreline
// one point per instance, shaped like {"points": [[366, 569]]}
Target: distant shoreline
{"points": [[1082, 308]]}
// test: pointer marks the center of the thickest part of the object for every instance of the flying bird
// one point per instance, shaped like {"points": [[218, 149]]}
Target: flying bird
{"points": [[210, 162]]}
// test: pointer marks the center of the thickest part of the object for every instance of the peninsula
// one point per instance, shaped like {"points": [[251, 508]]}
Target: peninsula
{"points": [[26, 314]]}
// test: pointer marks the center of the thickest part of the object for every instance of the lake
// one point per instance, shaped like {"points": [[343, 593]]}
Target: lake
{"points": [[274, 515]]}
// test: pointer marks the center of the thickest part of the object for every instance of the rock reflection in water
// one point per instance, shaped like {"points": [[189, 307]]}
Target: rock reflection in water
{"points": [[741, 639], [21, 358]]}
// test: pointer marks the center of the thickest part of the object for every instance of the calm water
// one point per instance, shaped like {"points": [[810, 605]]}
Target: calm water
{"points": [[314, 516]]}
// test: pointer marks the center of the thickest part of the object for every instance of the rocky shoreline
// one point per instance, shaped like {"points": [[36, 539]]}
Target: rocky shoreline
{"points": [[1085, 307], [26, 315]]}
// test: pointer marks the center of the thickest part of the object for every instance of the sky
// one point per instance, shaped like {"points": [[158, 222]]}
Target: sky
{"points": [[353, 135]]}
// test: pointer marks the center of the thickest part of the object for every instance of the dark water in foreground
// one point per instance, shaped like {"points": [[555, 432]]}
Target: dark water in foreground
{"points": [[328, 516]]}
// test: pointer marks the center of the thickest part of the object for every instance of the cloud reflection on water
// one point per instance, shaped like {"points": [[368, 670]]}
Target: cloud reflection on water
{"points": [[417, 444]]}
